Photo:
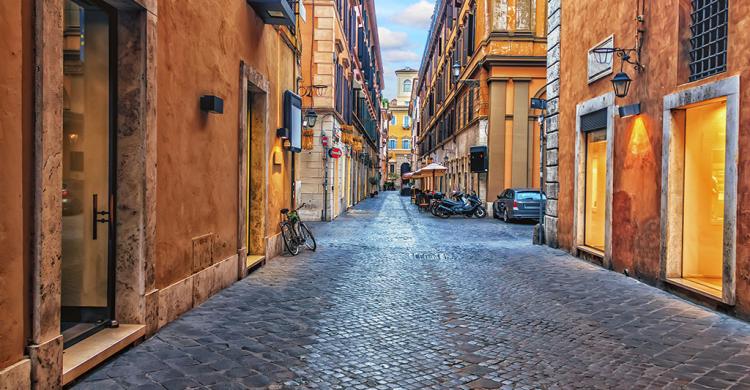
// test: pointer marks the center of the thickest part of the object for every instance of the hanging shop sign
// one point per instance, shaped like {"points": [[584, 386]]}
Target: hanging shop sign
{"points": [[334, 153], [293, 120]]}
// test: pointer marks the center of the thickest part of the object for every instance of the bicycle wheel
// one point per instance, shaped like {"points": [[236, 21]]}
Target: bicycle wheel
{"points": [[308, 237], [290, 240]]}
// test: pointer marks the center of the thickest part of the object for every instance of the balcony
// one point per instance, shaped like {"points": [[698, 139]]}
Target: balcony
{"points": [[276, 12]]}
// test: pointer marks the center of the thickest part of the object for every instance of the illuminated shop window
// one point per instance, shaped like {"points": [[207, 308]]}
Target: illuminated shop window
{"points": [[703, 196], [596, 181]]}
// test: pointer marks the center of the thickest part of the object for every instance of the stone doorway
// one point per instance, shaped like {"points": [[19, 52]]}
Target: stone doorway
{"points": [[132, 65], [253, 173]]}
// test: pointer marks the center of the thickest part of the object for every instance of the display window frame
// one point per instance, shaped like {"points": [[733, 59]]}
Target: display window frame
{"points": [[673, 177], [606, 105]]}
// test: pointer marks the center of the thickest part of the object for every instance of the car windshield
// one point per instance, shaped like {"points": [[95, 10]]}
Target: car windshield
{"points": [[528, 195]]}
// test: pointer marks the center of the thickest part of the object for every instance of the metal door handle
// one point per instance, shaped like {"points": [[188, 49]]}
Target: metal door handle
{"points": [[95, 216]]}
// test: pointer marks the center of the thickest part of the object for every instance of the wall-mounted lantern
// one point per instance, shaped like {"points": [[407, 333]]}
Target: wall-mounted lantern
{"points": [[457, 72], [605, 55], [621, 84], [311, 118]]}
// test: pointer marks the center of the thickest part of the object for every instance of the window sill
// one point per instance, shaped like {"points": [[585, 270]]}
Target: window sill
{"points": [[698, 288]]}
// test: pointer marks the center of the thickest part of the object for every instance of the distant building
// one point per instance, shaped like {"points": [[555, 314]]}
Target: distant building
{"points": [[497, 50], [343, 55], [399, 146]]}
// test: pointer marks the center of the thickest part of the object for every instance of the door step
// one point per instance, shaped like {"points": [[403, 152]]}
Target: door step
{"points": [[90, 352], [253, 261]]}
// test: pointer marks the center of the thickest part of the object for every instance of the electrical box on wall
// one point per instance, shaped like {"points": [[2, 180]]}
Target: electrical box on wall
{"points": [[478, 160]]}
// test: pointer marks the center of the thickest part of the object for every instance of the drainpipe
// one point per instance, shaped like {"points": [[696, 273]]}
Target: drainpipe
{"points": [[325, 184]]}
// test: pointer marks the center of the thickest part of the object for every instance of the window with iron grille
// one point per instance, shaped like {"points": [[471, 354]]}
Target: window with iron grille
{"points": [[708, 26]]}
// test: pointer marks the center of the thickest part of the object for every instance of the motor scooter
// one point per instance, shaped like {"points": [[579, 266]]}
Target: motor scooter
{"points": [[467, 206]]}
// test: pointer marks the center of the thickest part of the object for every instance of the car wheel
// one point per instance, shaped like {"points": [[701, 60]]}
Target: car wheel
{"points": [[495, 212], [506, 218]]}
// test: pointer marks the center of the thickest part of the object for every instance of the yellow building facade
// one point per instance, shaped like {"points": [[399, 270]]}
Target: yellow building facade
{"points": [[399, 143]]}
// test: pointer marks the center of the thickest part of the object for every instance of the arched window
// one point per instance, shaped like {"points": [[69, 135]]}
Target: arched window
{"points": [[407, 85]]}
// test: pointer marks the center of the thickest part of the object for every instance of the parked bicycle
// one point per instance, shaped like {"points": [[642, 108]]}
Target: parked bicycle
{"points": [[295, 233]]}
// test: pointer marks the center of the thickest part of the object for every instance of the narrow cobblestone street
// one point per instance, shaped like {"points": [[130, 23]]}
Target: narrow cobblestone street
{"points": [[398, 299]]}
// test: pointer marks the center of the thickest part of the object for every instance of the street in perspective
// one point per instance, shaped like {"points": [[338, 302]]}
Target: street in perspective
{"points": [[394, 299], [362, 194]]}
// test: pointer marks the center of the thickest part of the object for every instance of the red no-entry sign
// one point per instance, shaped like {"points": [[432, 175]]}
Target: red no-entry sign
{"points": [[334, 153]]}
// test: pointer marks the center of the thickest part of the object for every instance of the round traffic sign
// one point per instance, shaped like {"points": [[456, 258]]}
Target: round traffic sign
{"points": [[334, 152]]}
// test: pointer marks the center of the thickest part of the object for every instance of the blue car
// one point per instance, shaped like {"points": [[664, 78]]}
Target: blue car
{"points": [[519, 203]]}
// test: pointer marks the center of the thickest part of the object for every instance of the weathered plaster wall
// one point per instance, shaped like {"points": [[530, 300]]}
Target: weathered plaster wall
{"points": [[739, 44], [198, 152], [637, 149], [15, 144]]}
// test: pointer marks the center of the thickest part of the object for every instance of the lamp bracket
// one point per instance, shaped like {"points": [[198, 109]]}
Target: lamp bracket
{"points": [[313, 90]]}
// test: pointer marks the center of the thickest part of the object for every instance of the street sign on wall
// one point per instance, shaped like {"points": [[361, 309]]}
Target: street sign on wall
{"points": [[334, 153]]}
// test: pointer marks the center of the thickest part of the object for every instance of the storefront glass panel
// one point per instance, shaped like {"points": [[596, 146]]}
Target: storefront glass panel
{"points": [[596, 181], [703, 215]]}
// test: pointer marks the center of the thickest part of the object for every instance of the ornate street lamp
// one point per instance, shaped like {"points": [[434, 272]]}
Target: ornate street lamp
{"points": [[604, 55], [621, 84]]}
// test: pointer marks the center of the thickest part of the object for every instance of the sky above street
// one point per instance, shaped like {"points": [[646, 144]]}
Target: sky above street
{"points": [[403, 26]]}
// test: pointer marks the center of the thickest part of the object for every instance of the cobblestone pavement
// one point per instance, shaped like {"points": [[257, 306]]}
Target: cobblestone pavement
{"points": [[398, 299]]}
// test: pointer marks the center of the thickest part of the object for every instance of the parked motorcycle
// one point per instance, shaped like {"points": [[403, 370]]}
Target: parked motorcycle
{"points": [[461, 204]]}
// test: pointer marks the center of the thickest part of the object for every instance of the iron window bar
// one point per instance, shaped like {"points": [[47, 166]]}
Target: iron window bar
{"points": [[709, 23]]}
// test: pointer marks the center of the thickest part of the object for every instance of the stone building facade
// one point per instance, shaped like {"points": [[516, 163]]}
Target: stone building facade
{"points": [[653, 182], [143, 172], [498, 51], [343, 55]]}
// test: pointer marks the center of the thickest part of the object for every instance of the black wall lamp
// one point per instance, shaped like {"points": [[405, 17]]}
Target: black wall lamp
{"points": [[212, 104], [629, 110], [604, 55], [283, 133]]}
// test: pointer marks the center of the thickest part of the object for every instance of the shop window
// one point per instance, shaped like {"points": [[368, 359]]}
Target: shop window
{"points": [[596, 181], [703, 195]]}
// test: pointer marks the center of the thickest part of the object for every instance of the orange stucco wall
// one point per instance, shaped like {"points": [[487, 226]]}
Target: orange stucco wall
{"points": [[637, 152], [15, 143], [198, 152]]}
